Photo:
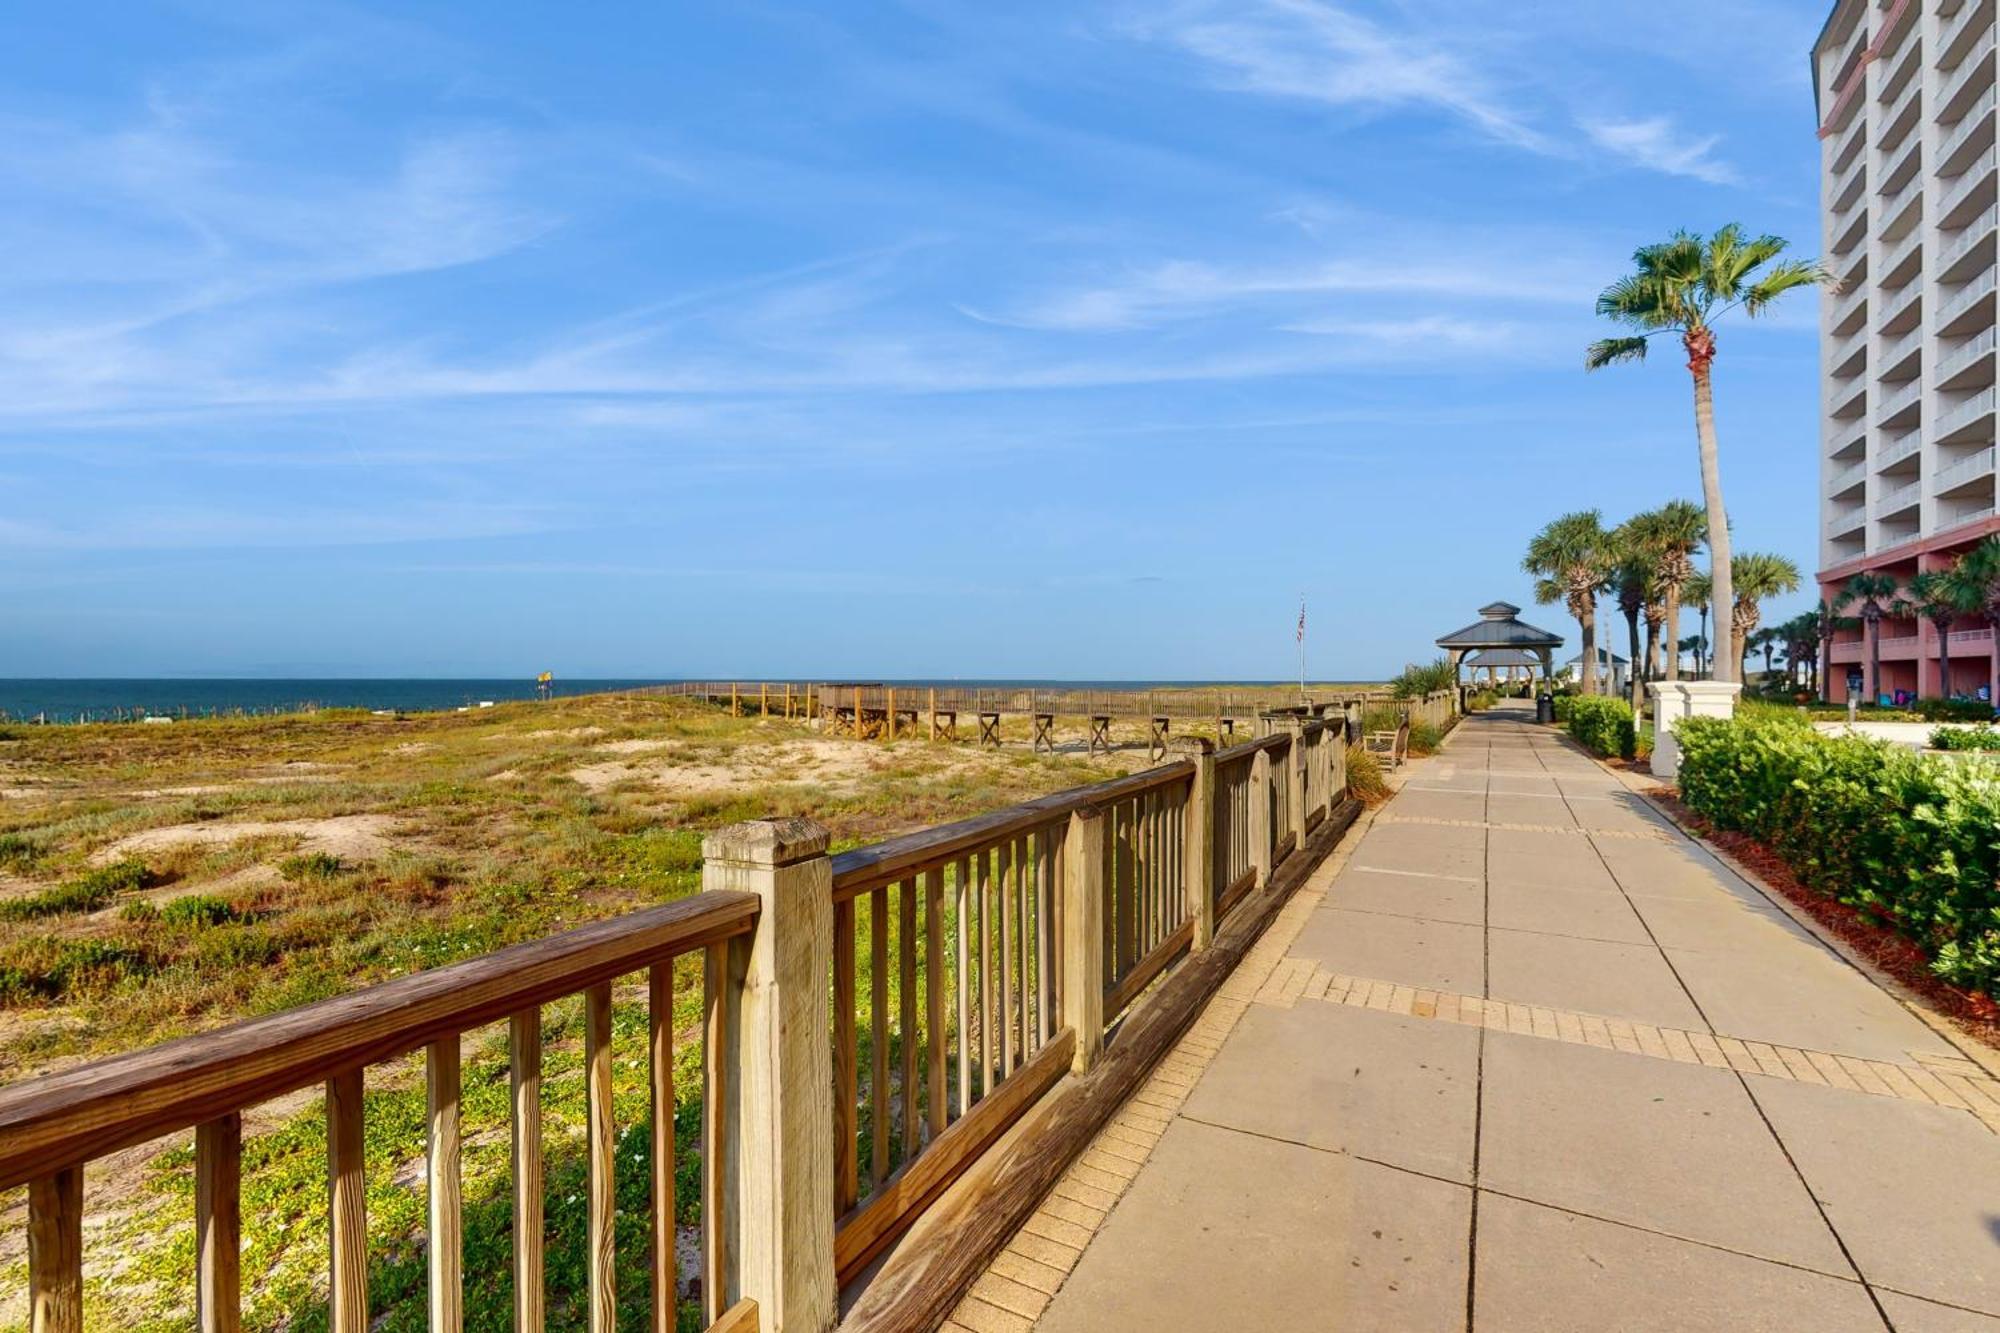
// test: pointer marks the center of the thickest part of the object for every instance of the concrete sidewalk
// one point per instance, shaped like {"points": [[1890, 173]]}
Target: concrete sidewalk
{"points": [[1526, 1057]]}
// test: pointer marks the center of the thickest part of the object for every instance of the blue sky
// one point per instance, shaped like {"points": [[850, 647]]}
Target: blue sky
{"points": [[900, 339]]}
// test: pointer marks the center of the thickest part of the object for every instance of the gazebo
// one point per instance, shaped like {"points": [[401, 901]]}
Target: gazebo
{"points": [[1498, 640]]}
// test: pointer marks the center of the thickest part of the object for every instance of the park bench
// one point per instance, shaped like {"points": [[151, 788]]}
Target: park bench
{"points": [[1392, 745]]}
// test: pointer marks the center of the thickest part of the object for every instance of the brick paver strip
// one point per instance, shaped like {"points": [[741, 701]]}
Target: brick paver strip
{"points": [[1930, 1081]]}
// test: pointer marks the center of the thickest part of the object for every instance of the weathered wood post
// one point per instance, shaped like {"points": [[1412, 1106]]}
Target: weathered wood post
{"points": [[890, 721], [1260, 815], [1198, 835], [774, 1223], [1295, 774], [1083, 935]]}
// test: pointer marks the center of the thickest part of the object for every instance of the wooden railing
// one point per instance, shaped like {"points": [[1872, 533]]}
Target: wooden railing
{"points": [[51, 1127], [872, 1023], [1191, 704]]}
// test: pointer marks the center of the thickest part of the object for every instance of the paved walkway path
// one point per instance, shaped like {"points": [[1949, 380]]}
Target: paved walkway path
{"points": [[1525, 1057]]}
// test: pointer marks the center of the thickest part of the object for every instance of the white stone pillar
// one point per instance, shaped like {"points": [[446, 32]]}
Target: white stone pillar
{"points": [[1677, 699]]}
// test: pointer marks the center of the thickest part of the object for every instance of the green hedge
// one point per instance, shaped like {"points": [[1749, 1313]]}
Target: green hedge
{"points": [[1911, 841], [1965, 738], [1601, 723]]}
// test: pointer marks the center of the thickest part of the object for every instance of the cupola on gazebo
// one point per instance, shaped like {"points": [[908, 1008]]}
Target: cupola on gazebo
{"points": [[1499, 640]]}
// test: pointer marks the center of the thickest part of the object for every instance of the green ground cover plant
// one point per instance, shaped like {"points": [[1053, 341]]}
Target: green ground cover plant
{"points": [[1912, 842], [1965, 738], [1601, 724]]}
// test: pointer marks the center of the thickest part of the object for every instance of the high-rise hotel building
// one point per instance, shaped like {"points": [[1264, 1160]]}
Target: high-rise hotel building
{"points": [[1905, 92]]}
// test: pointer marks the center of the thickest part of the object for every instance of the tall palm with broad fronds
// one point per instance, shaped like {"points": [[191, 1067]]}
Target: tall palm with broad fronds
{"points": [[1759, 578], [1632, 578], [1829, 618], [1944, 597], [1684, 285], [1874, 594], [1700, 591], [1571, 559], [1764, 641], [1979, 568], [1801, 638], [1673, 533]]}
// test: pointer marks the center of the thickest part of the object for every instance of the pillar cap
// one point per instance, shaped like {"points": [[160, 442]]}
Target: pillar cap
{"points": [[766, 842], [1192, 744]]}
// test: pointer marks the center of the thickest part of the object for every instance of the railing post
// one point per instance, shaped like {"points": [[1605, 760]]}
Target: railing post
{"points": [[1198, 837], [1083, 935], [1295, 786], [775, 1190], [1260, 815]]}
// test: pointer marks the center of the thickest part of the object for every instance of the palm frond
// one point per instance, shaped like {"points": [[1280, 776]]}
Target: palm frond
{"points": [[1610, 351], [1785, 277]]}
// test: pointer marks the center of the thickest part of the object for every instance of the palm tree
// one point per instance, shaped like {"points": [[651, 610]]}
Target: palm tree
{"points": [[1979, 568], [1684, 285], [1875, 593], [1801, 634], [1632, 577], [1570, 559], [1672, 534], [1701, 591], [1943, 597], [1829, 618], [1759, 577], [1765, 641]]}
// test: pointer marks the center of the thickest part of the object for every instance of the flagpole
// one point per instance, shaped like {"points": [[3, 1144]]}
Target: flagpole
{"points": [[1302, 647]]}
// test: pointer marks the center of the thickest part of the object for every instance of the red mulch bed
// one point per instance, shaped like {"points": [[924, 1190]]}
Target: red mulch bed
{"points": [[1973, 1012]]}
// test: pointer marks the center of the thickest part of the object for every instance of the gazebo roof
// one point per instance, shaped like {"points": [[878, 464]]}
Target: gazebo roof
{"points": [[1498, 627], [1501, 657]]}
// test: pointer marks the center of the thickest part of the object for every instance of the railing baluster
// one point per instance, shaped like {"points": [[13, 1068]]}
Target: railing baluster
{"points": [[441, 1095], [1045, 968], [1004, 885], [218, 1226], [934, 1016], [55, 1252], [601, 1261], [878, 1029], [982, 868], [962, 982], [660, 1053], [524, 1078], [347, 1206], [846, 1064], [718, 1041], [906, 907]]}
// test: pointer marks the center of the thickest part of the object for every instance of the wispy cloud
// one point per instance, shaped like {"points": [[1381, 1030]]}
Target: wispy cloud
{"points": [[1322, 52], [1656, 144]]}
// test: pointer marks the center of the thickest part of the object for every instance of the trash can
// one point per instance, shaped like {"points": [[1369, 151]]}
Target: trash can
{"points": [[1545, 708]]}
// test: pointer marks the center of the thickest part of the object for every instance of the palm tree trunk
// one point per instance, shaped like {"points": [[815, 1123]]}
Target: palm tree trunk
{"points": [[1653, 649], [1633, 683], [1701, 352], [1674, 631], [1944, 659], [1823, 676], [1586, 621], [1874, 657]]}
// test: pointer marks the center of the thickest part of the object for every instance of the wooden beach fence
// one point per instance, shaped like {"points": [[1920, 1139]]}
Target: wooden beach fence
{"points": [[873, 1023]]}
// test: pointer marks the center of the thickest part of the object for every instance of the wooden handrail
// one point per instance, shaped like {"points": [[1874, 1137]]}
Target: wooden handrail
{"points": [[864, 868], [64, 1119]]}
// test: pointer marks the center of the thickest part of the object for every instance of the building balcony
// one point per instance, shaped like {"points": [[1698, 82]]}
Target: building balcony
{"points": [[1853, 520], [1898, 500], [1900, 360], [1892, 127], [1964, 195], [1897, 448], [1968, 309], [1964, 472], [1957, 34], [1847, 398], [1969, 363], [1969, 419], [1969, 249], [1902, 210], [1900, 407], [1846, 186], [1973, 640], [1901, 171], [1847, 479], [1966, 138], [1902, 262], [1973, 76], [1851, 651], [1846, 146], [1849, 233], [1901, 646], [1900, 308]]}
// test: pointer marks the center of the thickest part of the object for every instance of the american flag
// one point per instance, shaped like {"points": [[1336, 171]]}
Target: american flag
{"points": [[1302, 620]]}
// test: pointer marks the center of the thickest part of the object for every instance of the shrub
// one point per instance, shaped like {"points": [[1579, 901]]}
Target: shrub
{"points": [[1603, 724], [311, 865], [1481, 701], [198, 909], [1953, 710], [1907, 840], [1414, 682], [1562, 703], [1424, 738], [1965, 738], [1364, 775], [86, 893], [19, 849]]}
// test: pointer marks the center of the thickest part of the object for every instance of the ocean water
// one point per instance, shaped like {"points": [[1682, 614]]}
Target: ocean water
{"points": [[70, 700]]}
